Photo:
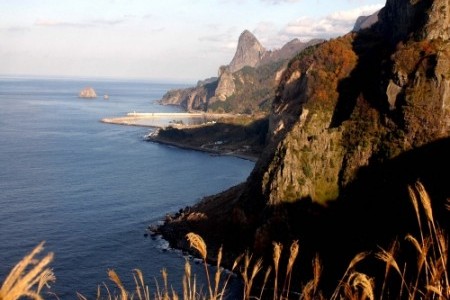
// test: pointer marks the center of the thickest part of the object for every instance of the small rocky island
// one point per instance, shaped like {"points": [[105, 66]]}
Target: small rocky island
{"points": [[87, 92]]}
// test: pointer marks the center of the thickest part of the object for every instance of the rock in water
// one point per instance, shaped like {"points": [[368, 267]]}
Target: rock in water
{"points": [[87, 92]]}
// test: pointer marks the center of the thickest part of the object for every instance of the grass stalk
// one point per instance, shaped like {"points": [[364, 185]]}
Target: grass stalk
{"points": [[430, 280], [28, 277], [199, 244], [277, 248]]}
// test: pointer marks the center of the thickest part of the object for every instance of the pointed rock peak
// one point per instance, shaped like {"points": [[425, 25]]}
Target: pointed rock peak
{"points": [[247, 32], [248, 53], [247, 40], [247, 35]]}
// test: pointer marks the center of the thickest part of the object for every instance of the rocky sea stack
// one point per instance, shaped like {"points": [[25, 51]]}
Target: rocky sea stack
{"points": [[354, 122], [87, 92]]}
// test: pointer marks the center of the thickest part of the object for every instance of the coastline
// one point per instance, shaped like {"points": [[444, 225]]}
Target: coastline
{"points": [[141, 120], [177, 224], [207, 218], [227, 135], [218, 152], [128, 121]]}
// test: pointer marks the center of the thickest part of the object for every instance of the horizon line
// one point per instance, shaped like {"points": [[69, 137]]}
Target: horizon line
{"points": [[100, 78]]}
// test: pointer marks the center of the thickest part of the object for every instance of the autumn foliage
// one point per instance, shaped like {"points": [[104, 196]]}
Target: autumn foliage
{"points": [[325, 65]]}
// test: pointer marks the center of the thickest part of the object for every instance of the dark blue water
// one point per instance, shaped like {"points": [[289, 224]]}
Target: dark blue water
{"points": [[91, 189]]}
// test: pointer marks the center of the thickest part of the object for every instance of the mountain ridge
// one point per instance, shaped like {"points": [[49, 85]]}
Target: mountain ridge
{"points": [[230, 92], [354, 122]]}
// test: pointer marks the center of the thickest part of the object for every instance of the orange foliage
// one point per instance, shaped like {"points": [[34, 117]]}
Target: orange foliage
{"points": [[333, 61]]}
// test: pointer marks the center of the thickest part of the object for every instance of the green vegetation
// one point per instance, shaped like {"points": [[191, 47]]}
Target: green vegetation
{"points": [[255, 89], [240, 134], [428, 279]]}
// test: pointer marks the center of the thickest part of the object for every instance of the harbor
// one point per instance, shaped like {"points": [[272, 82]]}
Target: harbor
{"points": [[162, 120]]}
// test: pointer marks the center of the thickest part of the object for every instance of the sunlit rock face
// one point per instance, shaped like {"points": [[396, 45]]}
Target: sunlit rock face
{"points": [[354, 122], [356, 100], [249, 52], [250, 79]]}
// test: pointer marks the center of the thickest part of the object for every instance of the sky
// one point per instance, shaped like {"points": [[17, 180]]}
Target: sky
{"points": [[170, 40]]}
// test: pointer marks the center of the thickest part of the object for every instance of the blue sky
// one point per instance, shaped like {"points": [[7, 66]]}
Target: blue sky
{"points": [[180, 40]]}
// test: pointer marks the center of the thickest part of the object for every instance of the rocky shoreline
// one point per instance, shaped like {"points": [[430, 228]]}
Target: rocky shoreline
{"points": [[208, 218], [239, 153], [202, 137], [209, 215]]}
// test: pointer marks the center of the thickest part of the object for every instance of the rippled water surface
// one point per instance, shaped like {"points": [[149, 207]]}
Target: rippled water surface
{"points": [[88, 189]]}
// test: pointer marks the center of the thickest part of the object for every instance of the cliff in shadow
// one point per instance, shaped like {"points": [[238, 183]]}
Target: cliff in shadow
{"points": [[354, 121]]}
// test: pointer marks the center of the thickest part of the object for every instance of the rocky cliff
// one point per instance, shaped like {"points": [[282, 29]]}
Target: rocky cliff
{"points": [[354, 121], [194, 98], [356, 101], [418, 19], [247, 84], [249, 52]]}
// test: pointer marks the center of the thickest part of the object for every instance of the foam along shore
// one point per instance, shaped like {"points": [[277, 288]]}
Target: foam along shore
{"points": [[161, 120]]}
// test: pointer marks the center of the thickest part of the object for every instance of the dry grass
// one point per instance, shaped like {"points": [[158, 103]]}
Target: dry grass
{"points": [[429, 279], [28, 277]]}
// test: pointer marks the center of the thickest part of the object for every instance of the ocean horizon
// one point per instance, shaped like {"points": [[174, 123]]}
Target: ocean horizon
{"points": [[89, 189], [176, 83]]}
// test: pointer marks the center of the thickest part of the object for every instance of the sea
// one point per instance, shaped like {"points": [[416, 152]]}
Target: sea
{"points": [[90, 190]]}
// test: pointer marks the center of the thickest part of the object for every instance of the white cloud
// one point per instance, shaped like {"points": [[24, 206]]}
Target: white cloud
{"points": [[268, 34], [333, 25], [225, 41]]}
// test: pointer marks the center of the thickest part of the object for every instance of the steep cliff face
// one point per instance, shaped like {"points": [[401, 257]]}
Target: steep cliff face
{"points": [[358, 100], [249, 52], [245, 85], [355, 121], [195, 98], [420, 19], [307, 150], [418, 87], [225, 85]]}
